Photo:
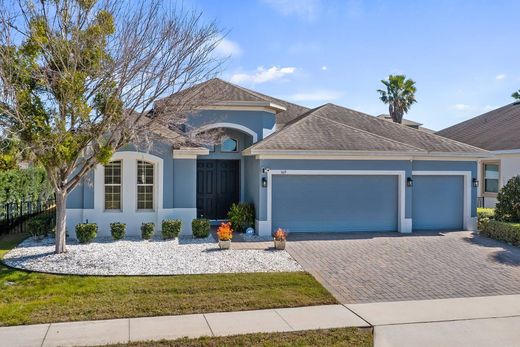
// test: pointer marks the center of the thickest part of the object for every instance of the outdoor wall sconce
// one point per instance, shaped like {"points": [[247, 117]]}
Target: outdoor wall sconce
{"points": [[264, 182], [409, 182], [475, 182], [265, 170]]}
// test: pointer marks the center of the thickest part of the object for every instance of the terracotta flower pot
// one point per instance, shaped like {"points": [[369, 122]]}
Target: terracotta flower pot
{"points": [[224, 244], [279, 244]]}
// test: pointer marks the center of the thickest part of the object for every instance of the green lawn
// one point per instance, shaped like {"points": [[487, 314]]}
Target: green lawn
{"points": [[29, 298], [351, 337]]}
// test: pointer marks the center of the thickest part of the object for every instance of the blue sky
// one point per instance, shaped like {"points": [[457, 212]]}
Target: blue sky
{"points": [[463, 55]]}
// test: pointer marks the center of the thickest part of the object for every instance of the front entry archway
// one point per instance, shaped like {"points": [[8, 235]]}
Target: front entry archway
{"points": [[218, 187]]}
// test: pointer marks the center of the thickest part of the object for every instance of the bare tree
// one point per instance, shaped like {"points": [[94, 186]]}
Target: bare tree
{"points": [[78, 79]]}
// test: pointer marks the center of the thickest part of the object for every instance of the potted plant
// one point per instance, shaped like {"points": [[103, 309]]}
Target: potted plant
{"points": [[225, 234], [280, 236]]}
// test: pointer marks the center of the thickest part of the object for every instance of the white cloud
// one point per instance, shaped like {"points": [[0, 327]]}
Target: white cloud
{"points": [[500, 77], [317, 95], [227, 48], [262, 75], [324, 68], [461, 107], [306, 9]]}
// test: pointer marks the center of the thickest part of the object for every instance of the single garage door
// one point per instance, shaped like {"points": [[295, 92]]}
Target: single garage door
{"points": [[330, 203], [438, 202]]}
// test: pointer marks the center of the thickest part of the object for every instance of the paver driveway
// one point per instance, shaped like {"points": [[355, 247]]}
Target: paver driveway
{"points": [[359, 268]]}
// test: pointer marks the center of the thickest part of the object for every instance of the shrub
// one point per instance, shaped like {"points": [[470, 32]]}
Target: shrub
{"points": [[225, 232], [242, 216], [484, 215], [503, 231], [147, 230], [39, 225], [171, 228], [118, 230], [200, 228], [508, 205], [86, 232]]}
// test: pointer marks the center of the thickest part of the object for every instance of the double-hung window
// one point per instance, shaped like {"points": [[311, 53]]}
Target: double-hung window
{"points": [[145, 185], [491, 177], [113, 186]]}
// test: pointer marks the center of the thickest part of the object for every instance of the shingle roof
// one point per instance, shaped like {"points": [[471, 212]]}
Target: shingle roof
{"points": [[495, 130], [216, 89], [331, 127]]}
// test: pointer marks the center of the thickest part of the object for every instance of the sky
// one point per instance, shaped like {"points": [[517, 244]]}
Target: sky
{"points": [[463, 55]]}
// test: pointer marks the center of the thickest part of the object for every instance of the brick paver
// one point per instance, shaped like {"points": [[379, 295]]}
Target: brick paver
{"points": [[359, 268]]}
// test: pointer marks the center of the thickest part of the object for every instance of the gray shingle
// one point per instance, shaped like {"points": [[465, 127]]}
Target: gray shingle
{"points": [[495, 130], [331, 127]]}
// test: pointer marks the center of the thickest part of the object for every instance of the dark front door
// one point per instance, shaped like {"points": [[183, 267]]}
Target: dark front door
{"points": [[218, 186]]}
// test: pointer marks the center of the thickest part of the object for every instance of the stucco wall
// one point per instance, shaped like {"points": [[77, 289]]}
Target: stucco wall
{"points": [[509, 167]]}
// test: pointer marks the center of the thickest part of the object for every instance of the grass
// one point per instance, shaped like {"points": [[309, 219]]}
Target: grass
{"points": [[30, 298], [351, 337]]}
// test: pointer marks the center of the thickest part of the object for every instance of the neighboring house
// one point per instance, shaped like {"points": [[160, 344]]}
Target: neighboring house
{"points": [[407, 122], [497, 131], [322, 170]]}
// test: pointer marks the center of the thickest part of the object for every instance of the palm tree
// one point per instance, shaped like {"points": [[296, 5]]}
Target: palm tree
{"points": [[516, 95], [399, 95]]}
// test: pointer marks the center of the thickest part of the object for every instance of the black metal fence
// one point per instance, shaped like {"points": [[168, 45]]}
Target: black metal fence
{"points": [[14, 214], [480, 202]]}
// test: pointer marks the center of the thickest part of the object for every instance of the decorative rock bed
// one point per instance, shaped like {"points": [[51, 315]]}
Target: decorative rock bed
{"points": [[138, 257]]}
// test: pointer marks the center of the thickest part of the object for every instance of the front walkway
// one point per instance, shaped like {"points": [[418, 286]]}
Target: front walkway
{"points": [[359, 268]]}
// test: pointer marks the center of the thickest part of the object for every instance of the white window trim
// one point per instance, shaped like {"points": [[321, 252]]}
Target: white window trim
{"points": [[483, 179], [145, 185], [469, 223], [403, 223], [120, 189], [231, 126]]}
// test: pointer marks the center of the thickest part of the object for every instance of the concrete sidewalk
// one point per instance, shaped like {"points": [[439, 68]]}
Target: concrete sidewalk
{"points": [[102, 332], [479, 321], [472, 322]]}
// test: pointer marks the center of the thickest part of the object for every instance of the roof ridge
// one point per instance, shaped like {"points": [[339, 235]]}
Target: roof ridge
{"points": [[370, 133]]}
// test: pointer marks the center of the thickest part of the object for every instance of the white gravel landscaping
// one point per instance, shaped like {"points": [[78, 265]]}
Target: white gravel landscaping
{"points": [[138, 257]]}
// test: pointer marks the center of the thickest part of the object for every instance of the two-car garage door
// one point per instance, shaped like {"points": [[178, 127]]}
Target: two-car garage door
{"points": [[330, 203], [335, 202]]}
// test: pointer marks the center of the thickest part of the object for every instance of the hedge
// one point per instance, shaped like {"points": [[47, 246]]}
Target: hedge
{"points": [[502, 231], [147, 230], [485, 213], [24, 185], [118, 230]]}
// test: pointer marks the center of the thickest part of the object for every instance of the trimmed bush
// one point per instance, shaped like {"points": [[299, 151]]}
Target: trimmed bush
{"points": [[508, 205], [242, 216], [39, 226], [484, 215], [118, 230], [86, 232], [200, 228], [147, 230], [502, 231], [171, 228]]}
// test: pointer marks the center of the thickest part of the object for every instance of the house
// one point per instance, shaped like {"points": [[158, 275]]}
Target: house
{"points": [[329, 169], [497, 131], [407, 122]]}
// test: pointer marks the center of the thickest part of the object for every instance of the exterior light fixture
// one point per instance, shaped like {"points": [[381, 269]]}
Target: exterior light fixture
{"points": [[409, 182], [265, 170], [264, 182], [475, 182]]}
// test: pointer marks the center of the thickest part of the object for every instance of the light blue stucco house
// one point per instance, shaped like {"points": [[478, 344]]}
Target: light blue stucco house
{"points": [[329, 169]]}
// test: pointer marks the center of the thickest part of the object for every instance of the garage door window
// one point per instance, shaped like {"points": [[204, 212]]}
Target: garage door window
{"points": [[491, 176]]}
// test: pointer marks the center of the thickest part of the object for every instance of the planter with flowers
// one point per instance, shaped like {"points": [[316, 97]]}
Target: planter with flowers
{"points": [[225, 234], [280, 236]]}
